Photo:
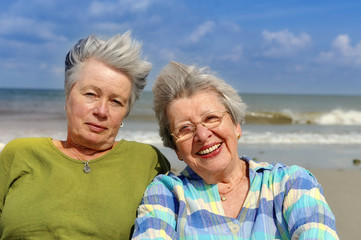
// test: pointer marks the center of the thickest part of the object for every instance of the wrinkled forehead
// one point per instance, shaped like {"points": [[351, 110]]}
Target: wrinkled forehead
{"points": [[194, 106]]}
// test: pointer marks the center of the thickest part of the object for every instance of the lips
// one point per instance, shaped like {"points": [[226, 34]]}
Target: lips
{"points": [[210, 149], [96, 128]]}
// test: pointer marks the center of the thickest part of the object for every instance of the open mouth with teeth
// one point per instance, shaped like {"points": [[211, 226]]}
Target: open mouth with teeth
{"points": [[209, 150]]}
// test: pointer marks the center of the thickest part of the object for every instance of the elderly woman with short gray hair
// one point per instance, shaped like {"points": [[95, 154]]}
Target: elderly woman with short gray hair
{"points": [[220, 195], [89, 185]]}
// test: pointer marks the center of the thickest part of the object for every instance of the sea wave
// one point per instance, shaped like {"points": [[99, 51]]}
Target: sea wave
{"points": [[248, 137], [333, 117], [300, 138], [267, 137], [340, 117]]}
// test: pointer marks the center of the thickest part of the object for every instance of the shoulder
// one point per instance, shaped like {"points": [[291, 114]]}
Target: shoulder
{"points": [[23, 144], [138, 147], [17, 151], [289, 176], [163, 190], [294, 175], [143, 152], [175, 184], [168, 180], [277, 169], [165, 183]]}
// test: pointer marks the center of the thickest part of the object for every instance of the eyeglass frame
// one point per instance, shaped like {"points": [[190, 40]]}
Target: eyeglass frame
{"points": [[200, 122]]}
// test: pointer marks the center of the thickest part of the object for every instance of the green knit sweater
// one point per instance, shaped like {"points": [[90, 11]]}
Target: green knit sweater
{"points": [[45, 194]]}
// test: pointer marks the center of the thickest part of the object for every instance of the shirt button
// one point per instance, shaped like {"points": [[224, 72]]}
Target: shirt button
{"points": [[234, 228]]}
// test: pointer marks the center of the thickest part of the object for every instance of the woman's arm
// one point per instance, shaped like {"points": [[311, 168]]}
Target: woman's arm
{"points": [[158, 211], [6, 158], [305, 208]]}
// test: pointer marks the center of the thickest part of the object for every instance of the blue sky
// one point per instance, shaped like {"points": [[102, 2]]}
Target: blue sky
{"points": [[287, 46]]}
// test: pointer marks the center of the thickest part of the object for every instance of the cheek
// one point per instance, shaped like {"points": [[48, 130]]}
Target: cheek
{"points": [[76, 110], [117, 118], [79, 111], [185, 148], [228, 129]]}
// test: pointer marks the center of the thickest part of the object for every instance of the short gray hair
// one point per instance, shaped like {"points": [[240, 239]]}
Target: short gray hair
{"points": [[177, 80], [120, 52]]}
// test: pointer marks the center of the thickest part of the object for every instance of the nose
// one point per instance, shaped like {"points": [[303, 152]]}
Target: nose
{"points": [[101, 109], [202, 133]]}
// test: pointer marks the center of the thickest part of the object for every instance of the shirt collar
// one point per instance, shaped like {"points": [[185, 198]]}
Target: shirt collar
{"points": [[257, 166], [254, 166], [189, 173]]}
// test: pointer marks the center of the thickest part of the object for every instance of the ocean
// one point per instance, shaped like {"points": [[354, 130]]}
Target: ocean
{"points": [[314, 131]]}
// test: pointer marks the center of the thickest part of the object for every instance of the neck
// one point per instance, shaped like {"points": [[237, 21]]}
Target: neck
{"points": [[82, 153], [233, 179]]}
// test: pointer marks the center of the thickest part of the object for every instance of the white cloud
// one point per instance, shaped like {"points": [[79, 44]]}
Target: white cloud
{"points": [[58, 70], [110, 26], [235, 55], [167, 54], [285, 43], [201, 31], [51, 68], [21, 26], [102, 8], [230, 27], [99, 8], [297, 68], [9, 25], [342, 52], [11, 64], [140, 5]]}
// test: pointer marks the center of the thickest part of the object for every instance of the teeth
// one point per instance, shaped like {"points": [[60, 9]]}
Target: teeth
{"points": [[209, 150]]}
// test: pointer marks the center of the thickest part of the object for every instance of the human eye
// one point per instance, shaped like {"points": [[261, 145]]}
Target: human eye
{"points": [[117, 102], [184, 129], [212, 117], [89, 93]]}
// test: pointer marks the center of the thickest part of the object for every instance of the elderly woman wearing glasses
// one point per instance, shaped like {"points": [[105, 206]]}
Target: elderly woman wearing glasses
{"points": [[220, 195]]}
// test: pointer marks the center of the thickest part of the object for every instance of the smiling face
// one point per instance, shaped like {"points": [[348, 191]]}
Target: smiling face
{"points": [[210, 152], [96, 105]]}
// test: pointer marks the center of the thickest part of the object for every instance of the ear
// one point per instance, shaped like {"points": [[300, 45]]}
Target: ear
{"points": [[178, 155], [66, 104], [238, 131]]}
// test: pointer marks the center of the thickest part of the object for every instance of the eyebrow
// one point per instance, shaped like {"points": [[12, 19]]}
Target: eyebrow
{"points": [[96, 88], [203, 115]]}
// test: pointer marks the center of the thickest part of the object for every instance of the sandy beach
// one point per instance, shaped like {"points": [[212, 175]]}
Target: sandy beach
{"points": [[343, 193]]}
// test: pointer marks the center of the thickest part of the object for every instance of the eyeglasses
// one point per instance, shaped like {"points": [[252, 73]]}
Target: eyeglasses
{"points": [[187, 130]]}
